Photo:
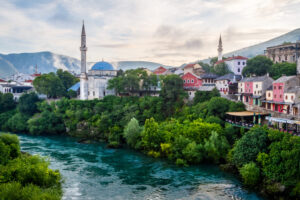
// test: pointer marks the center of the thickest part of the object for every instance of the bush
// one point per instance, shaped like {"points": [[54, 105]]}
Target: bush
{"points": [[17, 123], [247, 148], [250, 173], [181, 162], [132, 133]]}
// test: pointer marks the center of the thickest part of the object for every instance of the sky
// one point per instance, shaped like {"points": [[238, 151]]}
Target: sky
{"points": [[170, 32]]}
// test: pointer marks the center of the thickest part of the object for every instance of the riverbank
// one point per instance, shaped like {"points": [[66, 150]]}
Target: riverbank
{"points": [[24, 176], [183, 134]]}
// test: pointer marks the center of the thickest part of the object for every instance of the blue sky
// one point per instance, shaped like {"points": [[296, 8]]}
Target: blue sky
{"points": [[170, 32]]}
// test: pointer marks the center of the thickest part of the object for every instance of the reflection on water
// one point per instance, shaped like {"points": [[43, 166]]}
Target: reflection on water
{"points": [[92, 171]]}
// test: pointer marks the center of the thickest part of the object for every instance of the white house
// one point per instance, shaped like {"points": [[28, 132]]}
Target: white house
{"points": [[235, 64]]}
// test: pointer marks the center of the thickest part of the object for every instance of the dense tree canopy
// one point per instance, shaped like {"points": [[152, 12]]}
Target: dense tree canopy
{"points": [[278, 69], [54, 85], [259, 66], [6, 102], [172, 93]]}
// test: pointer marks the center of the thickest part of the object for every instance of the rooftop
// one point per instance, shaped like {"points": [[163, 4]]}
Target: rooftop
{"points": [[104, 66]]}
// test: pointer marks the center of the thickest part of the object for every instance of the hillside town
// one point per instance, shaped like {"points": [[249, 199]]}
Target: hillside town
{"points": [[274, 102]]}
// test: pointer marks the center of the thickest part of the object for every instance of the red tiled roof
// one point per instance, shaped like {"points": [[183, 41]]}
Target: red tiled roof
{"points": [[36, 74], [160, 70], [189, 66], [232, 58], [1, 80], [28, 81]]}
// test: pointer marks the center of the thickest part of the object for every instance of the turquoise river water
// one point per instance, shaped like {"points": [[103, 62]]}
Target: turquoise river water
{"points": [[92, 171]]}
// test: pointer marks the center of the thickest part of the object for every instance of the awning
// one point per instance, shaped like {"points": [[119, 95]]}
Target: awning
{"points": [[282, 120], [245, 113]]}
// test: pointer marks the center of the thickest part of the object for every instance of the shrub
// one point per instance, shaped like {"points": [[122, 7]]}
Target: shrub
{"points": [[132, 133], [250, 173]]}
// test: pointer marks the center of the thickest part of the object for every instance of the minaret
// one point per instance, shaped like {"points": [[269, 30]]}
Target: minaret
{"points": [[220, 49], [298, 66], [83, 75]]}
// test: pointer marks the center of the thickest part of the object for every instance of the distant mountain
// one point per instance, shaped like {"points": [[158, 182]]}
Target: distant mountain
{"points": [[26, 62], [49, 62], [125, 65], [258, 49]]}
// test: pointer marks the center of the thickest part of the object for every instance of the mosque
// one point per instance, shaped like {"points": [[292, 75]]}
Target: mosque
{"points": [[93, 84]]}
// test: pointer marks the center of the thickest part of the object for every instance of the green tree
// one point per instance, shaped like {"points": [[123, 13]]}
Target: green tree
{"points": [[7, 102], [132, 133], [66, 78], [250, 173], [218, 106], [216, 147], [249, 146], [221, 69], [50, 85], [202, 96], [151, 136], [278, 69], [259, 65], [27, 103], [46, 123], [172, 93]]}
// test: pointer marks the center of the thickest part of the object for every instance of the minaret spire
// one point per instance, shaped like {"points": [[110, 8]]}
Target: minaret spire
{"points": [[83, 76], [220, 49]]}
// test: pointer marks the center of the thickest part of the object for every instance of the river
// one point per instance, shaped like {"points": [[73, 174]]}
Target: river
{"points": [[92, 171]]}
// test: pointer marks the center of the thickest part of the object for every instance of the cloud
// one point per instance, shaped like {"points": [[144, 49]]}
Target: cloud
{"points": [[168, 32]]}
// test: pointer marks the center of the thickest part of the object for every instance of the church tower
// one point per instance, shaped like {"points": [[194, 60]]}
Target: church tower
{"points": [[220, 49], [83, 75]]}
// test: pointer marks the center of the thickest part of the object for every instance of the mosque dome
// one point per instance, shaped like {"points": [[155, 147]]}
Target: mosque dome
{"points": [[103, 66]]}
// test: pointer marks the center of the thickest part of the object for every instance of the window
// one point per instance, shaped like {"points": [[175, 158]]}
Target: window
{"points": [[192, 80], [190, 93], [280, 87], [269, 94], [280, 96], [292, 97], [274, 87], [239, 70], [244, 63], [183, 81], [256, 85], [239, 63], [286, 97], [93, 93], [274, 95], [188, 81]]}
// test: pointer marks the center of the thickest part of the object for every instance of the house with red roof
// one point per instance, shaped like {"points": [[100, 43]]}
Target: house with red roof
{"points": [[160, 71], [193, 68], [235, 64]]}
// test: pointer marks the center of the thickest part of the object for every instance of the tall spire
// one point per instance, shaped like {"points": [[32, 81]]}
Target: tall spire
{"points": [[220, 49], [83, 76], [83, 29]]}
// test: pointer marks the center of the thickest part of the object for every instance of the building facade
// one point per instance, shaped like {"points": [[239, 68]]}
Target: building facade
{"points": [[252, 90], [228, 84], [287, 52], [235, 64]]}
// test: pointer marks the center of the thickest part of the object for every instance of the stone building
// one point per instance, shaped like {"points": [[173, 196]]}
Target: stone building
{"points": [[286, 52]]}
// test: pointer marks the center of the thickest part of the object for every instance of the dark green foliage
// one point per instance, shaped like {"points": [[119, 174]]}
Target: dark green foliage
{"points": [[27, 104], [249, 146], [172, 94], [4, 117], [278, 69], [259, 65], [133, 81], [221, 69], [54, 85], [6, 102], [17, 123], [282, 162], [202, 96], [218, 106], [46, 123]]}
